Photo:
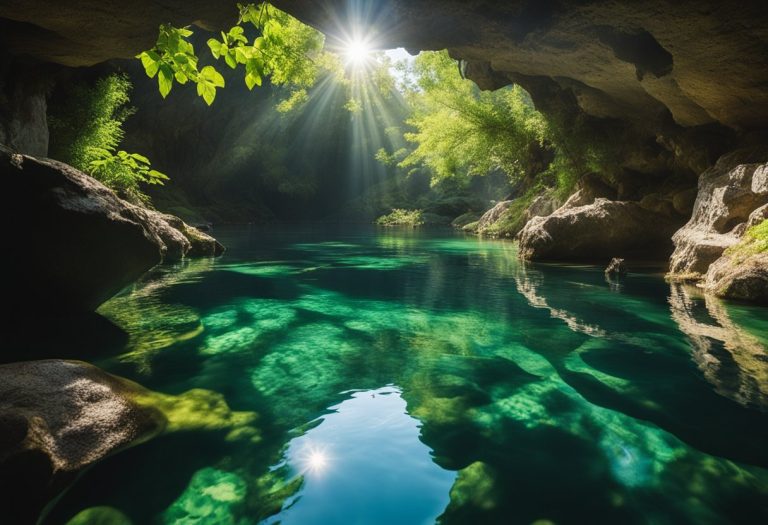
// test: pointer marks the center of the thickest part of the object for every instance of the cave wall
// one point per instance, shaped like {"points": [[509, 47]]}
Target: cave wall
{"points": [[23, 107], [687, 78]]}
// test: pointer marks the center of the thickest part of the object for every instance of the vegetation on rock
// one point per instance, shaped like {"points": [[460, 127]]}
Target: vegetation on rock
{"points": [[754, 241], [400, 217]]}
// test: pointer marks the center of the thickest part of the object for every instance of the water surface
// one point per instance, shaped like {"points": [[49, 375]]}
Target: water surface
{"points": [[407, 376]]}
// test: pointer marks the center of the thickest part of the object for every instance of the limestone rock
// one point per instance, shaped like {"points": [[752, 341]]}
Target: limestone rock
{"points": [[78, 243], [741, 279], [598, 230], [58, 418], [616, 267], [541, 206], [729, 193], [494, 214]]}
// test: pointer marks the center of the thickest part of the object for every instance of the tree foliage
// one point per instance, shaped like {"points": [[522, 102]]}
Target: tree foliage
{"points": [[284, 50], [87, 129], [460, 131]]}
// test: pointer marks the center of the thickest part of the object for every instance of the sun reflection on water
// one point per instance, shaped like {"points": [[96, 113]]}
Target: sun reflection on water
{"points": [[314, 459]]}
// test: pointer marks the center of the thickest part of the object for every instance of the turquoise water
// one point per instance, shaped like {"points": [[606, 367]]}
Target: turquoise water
{"points": [[319, 376]]}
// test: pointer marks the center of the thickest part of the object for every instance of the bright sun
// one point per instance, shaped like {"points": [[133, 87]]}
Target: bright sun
{"points": [[357, 52]]}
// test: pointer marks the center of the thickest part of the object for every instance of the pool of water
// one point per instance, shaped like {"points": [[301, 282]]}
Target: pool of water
{"points": [[365, 376]]}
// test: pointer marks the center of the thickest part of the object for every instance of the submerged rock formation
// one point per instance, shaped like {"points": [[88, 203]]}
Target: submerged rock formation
{"points": [[60, 417], [81, 244]]}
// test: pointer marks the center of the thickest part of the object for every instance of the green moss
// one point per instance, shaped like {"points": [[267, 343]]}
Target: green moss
{"points": [[754, 241], [511, 221], [212, 497], [467, 218], [400, 217], [100, 516], [470, 227]]}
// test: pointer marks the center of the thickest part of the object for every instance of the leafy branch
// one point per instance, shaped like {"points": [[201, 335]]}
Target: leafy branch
{"points": [[284, 50]]}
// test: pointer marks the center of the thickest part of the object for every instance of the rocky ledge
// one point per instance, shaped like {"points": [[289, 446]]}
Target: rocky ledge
{"points": [[78, 243], [712, 248], [598, 229]]}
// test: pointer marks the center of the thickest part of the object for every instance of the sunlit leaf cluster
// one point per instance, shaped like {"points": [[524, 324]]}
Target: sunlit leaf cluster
{"points": [[284, 50], [122, 169]]}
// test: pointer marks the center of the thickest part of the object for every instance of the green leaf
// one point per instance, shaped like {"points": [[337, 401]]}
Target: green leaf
{"points": [[242, 54], [185, 32], [157, 176], [214, 77], [140, 158], [252, 79], [151, 62], [230, 59], [180, 77], [215, 46], [165, 79], [254, 65], [207, 91]]}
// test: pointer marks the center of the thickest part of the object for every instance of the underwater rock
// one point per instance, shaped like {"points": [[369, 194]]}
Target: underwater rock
{"points": [[598, 230], [78, 243], [728, 194], [100, 516], [57, 418], [616, 267]]}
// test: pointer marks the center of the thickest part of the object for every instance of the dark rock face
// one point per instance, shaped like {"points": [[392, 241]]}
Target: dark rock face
{"points": [[79, 244], [58, 418], [23, 106], [596, 231], [729, 193]]}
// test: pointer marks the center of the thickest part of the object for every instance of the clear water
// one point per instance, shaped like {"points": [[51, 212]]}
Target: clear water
{"points": [[408, 377]]}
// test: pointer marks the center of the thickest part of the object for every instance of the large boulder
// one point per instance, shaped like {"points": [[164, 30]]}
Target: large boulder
{"points": [[597, 231], [742, 272], [743, 279], [729, 193], [76, 244], [57, 418]]}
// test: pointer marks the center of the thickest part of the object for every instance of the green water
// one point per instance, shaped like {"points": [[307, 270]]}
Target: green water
{"points": [[408, 377]]}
